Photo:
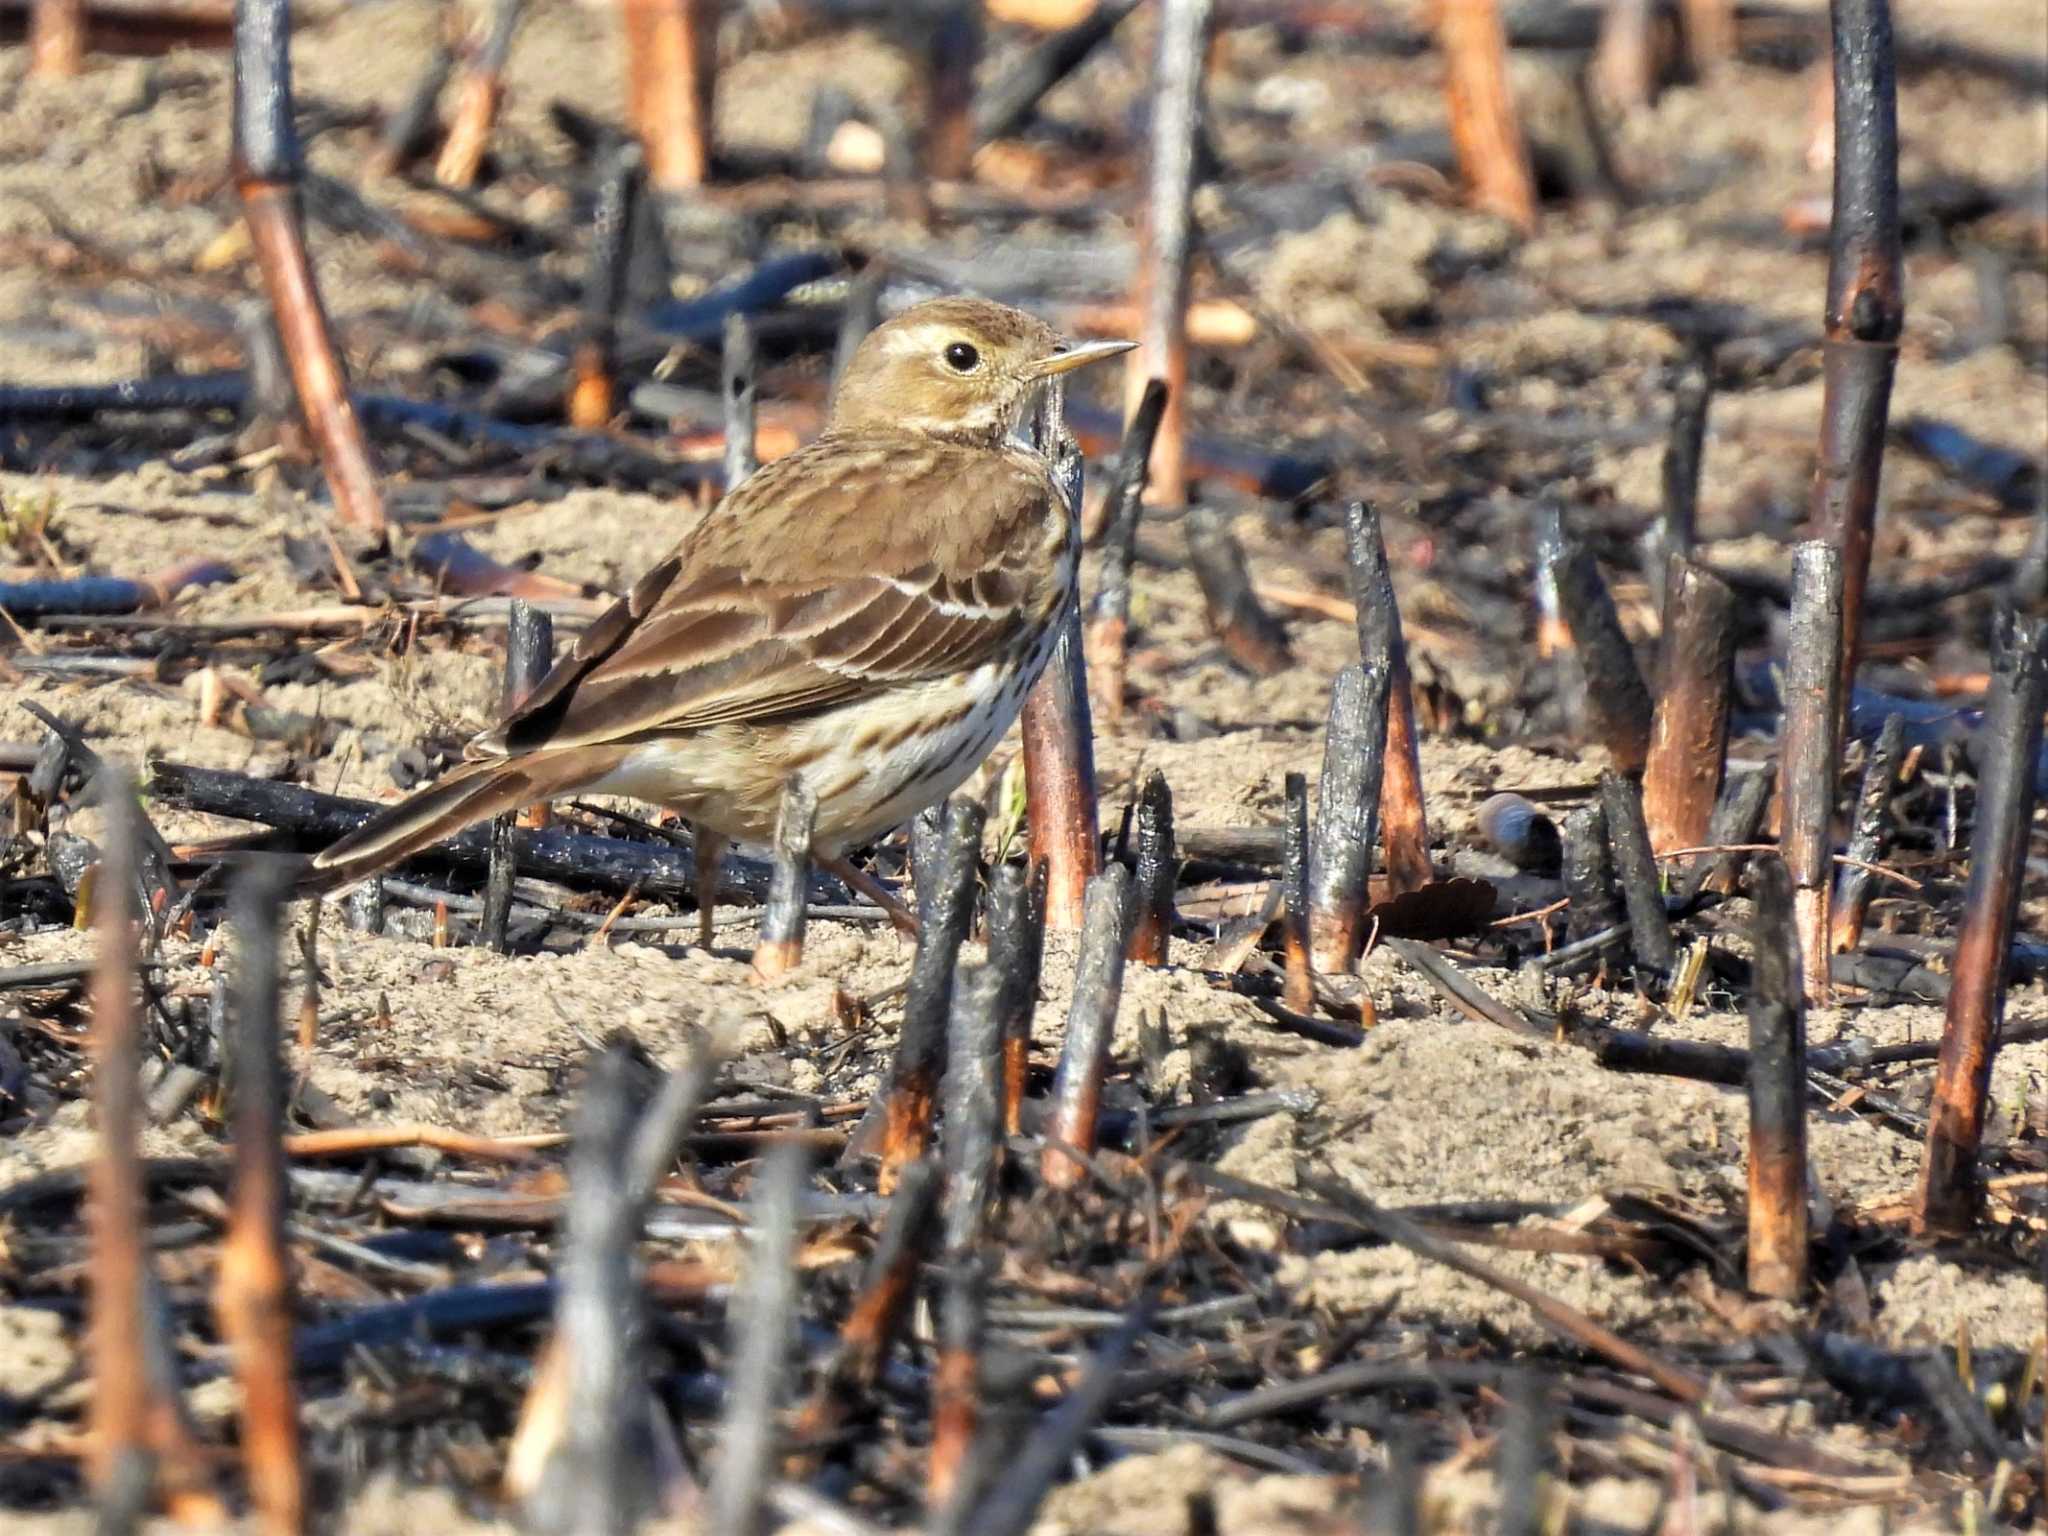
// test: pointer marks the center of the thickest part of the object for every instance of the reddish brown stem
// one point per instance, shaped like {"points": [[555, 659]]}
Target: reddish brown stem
{"points": [[1484, 129], [272, 212], [1156, 872], [2011, 740], [1689, 729], [56, 38], [669, 65], [1404, 823], [1777, 1094], [253, 1296]]}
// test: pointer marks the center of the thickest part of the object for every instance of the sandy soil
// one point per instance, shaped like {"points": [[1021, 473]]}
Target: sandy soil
{"points": [[1433, 1107]]}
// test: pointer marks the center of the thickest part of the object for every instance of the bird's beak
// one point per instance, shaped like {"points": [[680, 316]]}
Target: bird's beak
{"points": [[1076, 357]]}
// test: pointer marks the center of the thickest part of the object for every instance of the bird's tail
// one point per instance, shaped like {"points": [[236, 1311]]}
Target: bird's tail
{"points": [[456, 801]]}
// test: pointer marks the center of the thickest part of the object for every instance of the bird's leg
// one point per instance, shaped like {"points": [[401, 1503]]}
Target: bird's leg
{"points": [[867, 885], [710, 849]]}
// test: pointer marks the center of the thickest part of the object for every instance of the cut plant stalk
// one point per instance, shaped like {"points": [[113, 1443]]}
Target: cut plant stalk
{"points": [[1628, 844], [1617, 704], [1866, 305], [1485, 131], [1009, 103], [1110, 615], [1084, 1054], [1811, 751], [781, 949], [1869, 838], [1155, 873], [911, 1097], [670, 52], [763, 1329], [1778, 1237], [953, 50], [1300, 991], [1165, 239], [594, 366], [1059, 739], [1250, 636], [529, 654], [973, 1148], [739, 390], [478, 95], [1678, 512], [138, 1424], [1404, 823], [1016, 945], [253, 1294], [266, 166], [56, 39], [881, 1305], [1709, 30], [1689, 726], [1347, 817], [2008, 744]]}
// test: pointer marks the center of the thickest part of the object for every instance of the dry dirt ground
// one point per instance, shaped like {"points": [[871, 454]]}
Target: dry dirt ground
{"points": [[1433, 1107]]}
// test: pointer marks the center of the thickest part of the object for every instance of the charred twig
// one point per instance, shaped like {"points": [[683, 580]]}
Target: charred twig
{"points": [[529, 653], [762, 1319], [253, 1297], [1678, 512], [1565, 1320], [1616, 700], [881, 1304], [1347, 816], [953, 49], [1404, 824], [109, 594], [593, 394], [670, 48], [1300, 993], [1110, 615], [1154, 871], [1465, 994], [1084, 1055], [1250, 636], [1777, 1092], [1811, 749], [410, 130], [2011, 739], [1165, 237], [1016, 945], [1628, 843], [1007, 105], [1689, 728], [1869, 838], [1484, 128], [1588, 871], [477, 97], [737, 368], [1059, 748], [781, 948], [136, 1412], [1865, 307], [1738, 814], [1012, 1502], [907, 1107], [266, 168]]}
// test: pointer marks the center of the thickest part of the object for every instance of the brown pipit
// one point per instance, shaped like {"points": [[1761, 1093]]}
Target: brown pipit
{"points": [[867, 613]]}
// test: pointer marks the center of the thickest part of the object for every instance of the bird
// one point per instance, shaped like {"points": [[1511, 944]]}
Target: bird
{"points": [[865, 614]]}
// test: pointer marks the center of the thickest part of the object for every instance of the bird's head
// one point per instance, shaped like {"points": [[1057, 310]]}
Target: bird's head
{"points": [[961, 369]]}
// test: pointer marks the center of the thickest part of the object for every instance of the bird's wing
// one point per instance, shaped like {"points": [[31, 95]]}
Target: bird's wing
{"points": [[841, 571]]}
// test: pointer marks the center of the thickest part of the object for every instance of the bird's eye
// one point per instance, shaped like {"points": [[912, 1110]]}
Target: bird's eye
{"points": [[961, 357]]}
